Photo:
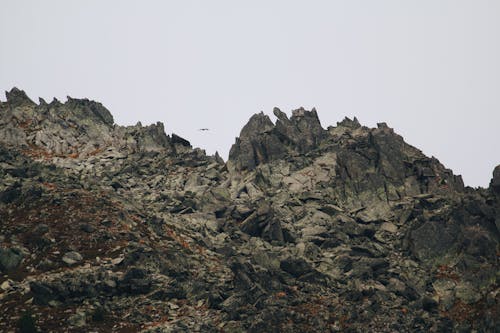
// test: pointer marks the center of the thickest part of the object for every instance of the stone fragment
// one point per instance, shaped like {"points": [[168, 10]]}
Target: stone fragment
{"points": [[6, 285], [71, 258], [389, 227], [79, 319]]}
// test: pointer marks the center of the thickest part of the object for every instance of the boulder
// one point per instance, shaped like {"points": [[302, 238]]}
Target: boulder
{"points": [[296, 266], [79, 319], [71, 258], [10, 258], [136, 281], [42, 292]]}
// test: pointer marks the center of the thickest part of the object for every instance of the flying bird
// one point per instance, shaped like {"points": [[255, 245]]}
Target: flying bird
{"points": [[203, 129]]}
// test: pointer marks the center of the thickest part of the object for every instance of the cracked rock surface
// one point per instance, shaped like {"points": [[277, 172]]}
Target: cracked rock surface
{"points": [[108, 228]]}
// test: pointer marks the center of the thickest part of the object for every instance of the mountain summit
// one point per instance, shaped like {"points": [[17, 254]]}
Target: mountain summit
{"points": [[109, 228]]}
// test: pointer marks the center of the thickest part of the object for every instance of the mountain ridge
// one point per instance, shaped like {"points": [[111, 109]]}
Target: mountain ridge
{"points": [[126, 228]]}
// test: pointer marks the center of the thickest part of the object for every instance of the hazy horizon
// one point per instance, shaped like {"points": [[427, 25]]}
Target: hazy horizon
{"points": [[429, 69]]}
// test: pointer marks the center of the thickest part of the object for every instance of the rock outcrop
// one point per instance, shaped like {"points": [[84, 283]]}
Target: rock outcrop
{"points": [[108, 228], [261, 141], [495, 181]]}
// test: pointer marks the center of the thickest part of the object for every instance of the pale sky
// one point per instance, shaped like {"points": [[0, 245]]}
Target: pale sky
{"points": [[429, 68]]}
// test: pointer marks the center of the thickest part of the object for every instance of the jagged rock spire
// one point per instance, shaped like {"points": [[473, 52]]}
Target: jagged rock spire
{"points": [[88, 108], [261, 141], [495, 181], [17, 97], [256, 144]]}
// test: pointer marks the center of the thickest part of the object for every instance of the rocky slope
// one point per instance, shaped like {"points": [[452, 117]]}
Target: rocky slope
{"points": [[105, 228]]}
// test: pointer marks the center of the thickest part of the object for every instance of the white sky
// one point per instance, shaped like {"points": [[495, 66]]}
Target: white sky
{"points": [[429, 68]]}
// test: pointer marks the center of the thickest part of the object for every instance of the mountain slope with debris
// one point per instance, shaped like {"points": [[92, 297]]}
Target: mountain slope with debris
{"points": [[109, 228]]}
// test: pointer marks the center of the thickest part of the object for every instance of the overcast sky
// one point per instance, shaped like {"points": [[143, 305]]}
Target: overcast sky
{"points": [[429, 68]]}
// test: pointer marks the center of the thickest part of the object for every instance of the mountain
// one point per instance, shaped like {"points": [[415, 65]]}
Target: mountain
{"points": [[108, 228]]}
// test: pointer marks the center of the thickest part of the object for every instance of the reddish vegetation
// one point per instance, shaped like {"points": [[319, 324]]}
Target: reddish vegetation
{"points": [[38, 153], [64, 215], [446, 272], [179, 239], [471, 313], [96, 151]]}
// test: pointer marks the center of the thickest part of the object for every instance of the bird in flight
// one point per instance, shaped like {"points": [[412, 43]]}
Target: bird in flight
{"points": [[203, 129]]}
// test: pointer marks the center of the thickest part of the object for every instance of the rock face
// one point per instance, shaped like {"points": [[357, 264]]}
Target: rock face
{"points": [[261, 141], [495, 181], [107, 228]]}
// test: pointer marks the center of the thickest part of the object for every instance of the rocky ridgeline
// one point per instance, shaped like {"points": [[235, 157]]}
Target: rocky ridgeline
{"points": [[107, 228]]}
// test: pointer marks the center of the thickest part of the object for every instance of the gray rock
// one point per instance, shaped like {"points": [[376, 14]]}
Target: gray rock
{"points": [[297, 267], [71, 258], [175, 139], [255, 145], [396, 285], [79, 319], [88, 228], [429, 304], [262, 141], [86, 108], [6, 285], [434, 238], [17, 97], [262, 223], [10, 258], [42, 293], [467, 293], [41, 229], [389, 227], [495, 181], [136, 281]]}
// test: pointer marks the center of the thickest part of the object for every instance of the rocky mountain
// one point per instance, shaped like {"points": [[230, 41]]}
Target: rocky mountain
{"points": [[107, 228]]}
